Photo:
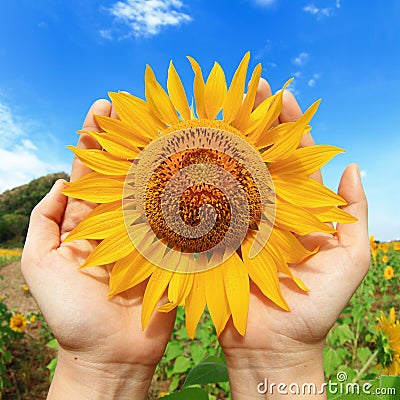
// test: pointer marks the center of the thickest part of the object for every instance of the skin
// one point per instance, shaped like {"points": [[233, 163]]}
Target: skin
{"points": [[102, 340]]}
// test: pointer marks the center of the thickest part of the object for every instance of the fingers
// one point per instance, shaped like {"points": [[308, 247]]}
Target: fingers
{"points": [[100, 107], [263, 91], [291, 110], [354, 235], [76, 209], [44, 231]]}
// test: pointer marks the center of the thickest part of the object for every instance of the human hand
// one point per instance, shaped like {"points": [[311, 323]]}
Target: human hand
{"points": [[287, 346], [103, 352]]}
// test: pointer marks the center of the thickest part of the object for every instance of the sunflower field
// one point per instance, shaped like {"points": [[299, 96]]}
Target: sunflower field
{"points": [[361, 347]]}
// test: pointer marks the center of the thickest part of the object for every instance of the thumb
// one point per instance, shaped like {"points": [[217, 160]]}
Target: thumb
{"points": [[354, 235], [44, 231]]}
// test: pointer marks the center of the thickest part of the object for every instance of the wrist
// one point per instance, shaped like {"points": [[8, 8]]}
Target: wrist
{"points": [[77, 378], [257, 374]]}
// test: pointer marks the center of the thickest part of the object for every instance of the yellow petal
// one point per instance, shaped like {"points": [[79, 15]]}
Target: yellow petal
{"points": [[276, 134], [158, 100], [106, 207], [98, 227], [286, 144], [263, 272], [271, 116], [178, 290], [198, 88], [290, 247], [244, 112], [101, 161], [116, 146], [234, 97], [177, 92], [129, 272], [215, 91], [118, 130], [274, 253], [195, 303], [305, 160], [259, 113], [110, 249], [298, 220], [136, 113], [216, 299], [333, 214], [237, 288], [154, 290], [96, 188], [305, 192]]}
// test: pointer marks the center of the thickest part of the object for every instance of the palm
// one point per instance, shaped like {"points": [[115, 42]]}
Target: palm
{"points": [[312, 314], [75, 302], [84, 320]]}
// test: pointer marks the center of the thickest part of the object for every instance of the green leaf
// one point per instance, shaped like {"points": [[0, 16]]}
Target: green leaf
{"points": [[174, 383], [363, 354], [187, 394], [211, 370], [197, 352], [53, 344], [332, 359], [174, 349], [342, 334], [389, 387], [182, 364]]}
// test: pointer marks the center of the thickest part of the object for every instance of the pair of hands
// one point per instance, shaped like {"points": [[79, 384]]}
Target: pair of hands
{"points": [[103, 352]]}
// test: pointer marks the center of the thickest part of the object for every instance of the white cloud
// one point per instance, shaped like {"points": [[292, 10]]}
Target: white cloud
{"points": [[297, 74], [363, 173], [27, 145], [105, 34], [147, 17], [318, 12], [19, 162], [338, 4], [312, 82], [9, 127], [301, 59]]}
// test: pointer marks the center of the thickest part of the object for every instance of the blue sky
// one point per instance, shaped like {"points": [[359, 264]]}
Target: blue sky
{"points": [[57, 57]]}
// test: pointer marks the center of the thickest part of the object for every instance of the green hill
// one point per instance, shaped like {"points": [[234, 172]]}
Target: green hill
{"points": [[16, 206]]}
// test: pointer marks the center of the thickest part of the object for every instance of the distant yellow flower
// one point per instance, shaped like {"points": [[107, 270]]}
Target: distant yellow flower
{"points": [[200, 200], [372, 245], [389, 272], [32, 318], [26, 288], [162, 394], [18, 323], [385, 259], [388, 344]]}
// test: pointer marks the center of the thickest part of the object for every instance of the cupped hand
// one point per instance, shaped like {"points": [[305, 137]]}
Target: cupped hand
{"points": [[285, 345], [94, 334]]}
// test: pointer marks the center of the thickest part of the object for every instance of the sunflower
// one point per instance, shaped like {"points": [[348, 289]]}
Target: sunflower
{"points": [[18, 323], [388, 344], [389, 272], [200, 200]]}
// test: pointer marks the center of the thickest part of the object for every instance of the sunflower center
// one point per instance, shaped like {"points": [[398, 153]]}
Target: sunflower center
{"points": [[197, 189], [202, 205]]}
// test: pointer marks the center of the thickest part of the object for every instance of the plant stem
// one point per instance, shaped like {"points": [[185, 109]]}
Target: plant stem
{"points": [[364, 368]]}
